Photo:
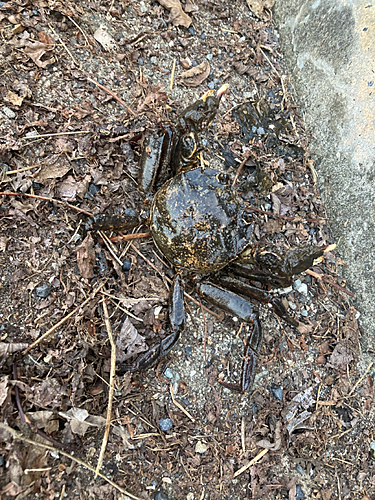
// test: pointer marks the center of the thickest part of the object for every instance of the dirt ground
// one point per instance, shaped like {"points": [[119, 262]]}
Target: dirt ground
{"points": [[80, 82]]}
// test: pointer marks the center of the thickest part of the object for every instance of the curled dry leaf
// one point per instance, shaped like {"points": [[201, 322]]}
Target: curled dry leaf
{"points": [[195, 76], [264, 443], [80, 420], [14, 98], [36, 51], [55, 166], [86, 257], [129, 343], [178, 16], [257, 6]]}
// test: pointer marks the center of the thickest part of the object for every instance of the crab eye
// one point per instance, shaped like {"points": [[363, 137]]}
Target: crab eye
{"points": [[188, 145]]}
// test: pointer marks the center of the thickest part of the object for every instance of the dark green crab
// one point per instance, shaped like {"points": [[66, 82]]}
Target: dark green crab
{"points": [[198, 222]]}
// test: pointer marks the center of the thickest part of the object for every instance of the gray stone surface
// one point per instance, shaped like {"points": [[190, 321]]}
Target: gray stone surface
{"points": [[329, 46]]}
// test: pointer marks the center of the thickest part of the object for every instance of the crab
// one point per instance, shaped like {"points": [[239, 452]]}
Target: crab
{"points": [[199, 223]]}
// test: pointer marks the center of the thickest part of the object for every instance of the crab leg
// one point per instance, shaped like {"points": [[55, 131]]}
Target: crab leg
{"points": [[240, 307], [177, 320], [256, 293]]}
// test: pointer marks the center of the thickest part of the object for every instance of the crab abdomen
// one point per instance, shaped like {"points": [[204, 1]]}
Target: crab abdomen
{"points": [[197, 221]]}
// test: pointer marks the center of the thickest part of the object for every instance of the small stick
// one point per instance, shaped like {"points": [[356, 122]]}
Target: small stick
{"points": [[52, 200], [252, 462], [64, 320], [321, 277], [111, 388], [20, 437], [180, 406], [134, 236], [55, 134], [172, 74], [239, 170], [360, 380], [205, 331], [112, 94], [80, 29]]}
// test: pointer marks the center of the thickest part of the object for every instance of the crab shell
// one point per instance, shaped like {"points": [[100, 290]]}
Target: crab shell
{"points": [[197, 222]]}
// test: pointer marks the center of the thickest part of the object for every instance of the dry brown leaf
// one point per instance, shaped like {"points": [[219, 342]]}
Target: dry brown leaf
{"points": [[55, 166], [3, 243], [86, 257], [195, 76], [14, 98], [129, 343], [36, 51], [6, 348], [45, 38], [178, 16], [257, 6], [157, 93]]}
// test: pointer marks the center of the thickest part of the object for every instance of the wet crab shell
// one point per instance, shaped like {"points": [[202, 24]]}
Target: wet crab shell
{"points": [[197, 222]]}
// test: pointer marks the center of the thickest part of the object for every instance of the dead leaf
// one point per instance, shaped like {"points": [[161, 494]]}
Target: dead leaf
{"points": [[302, 328], [3, 243], [55, 166], [45, 38], [69, 188], [3, 389], [129, 343], [86, 257], [178, 16], [340, 357], [257, 6], [36, 51], [157, 93], [195, 76], [264, 443], [102, 36], [44, 419], [80, 420], [14, 98], [6, 348]]}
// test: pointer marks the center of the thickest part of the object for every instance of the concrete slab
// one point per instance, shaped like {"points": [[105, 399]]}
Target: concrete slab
{"points": [[329, 46]]}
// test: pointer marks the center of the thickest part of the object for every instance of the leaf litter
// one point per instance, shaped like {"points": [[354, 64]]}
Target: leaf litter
{"points": [[317, 436]]}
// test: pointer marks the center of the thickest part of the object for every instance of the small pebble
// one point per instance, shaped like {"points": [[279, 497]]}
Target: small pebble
{"points": [[165, 424], [260, 131], [188, 350], [154, 60], [93, 189], [43, 291], [299, 493], [211, 85], [277, 392], [304, 313], [299, 469], [201, 447], [126, 265], [191, 30], [8, 112], [209, 57], [254, 129], [168, 373], [140, 61], [292, 305], [203, 36]]}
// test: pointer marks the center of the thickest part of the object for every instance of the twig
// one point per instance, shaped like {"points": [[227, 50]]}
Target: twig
{"points": [[252, 462], [335, 285], [180, 406], [20, 437], [360, 380], [55, 134], [80, 29], [64, 320], [205, 332], [239, 170], [112, 94], [172, 74], [127, 237], [44, 198], [111, 388], [58, 37]]}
